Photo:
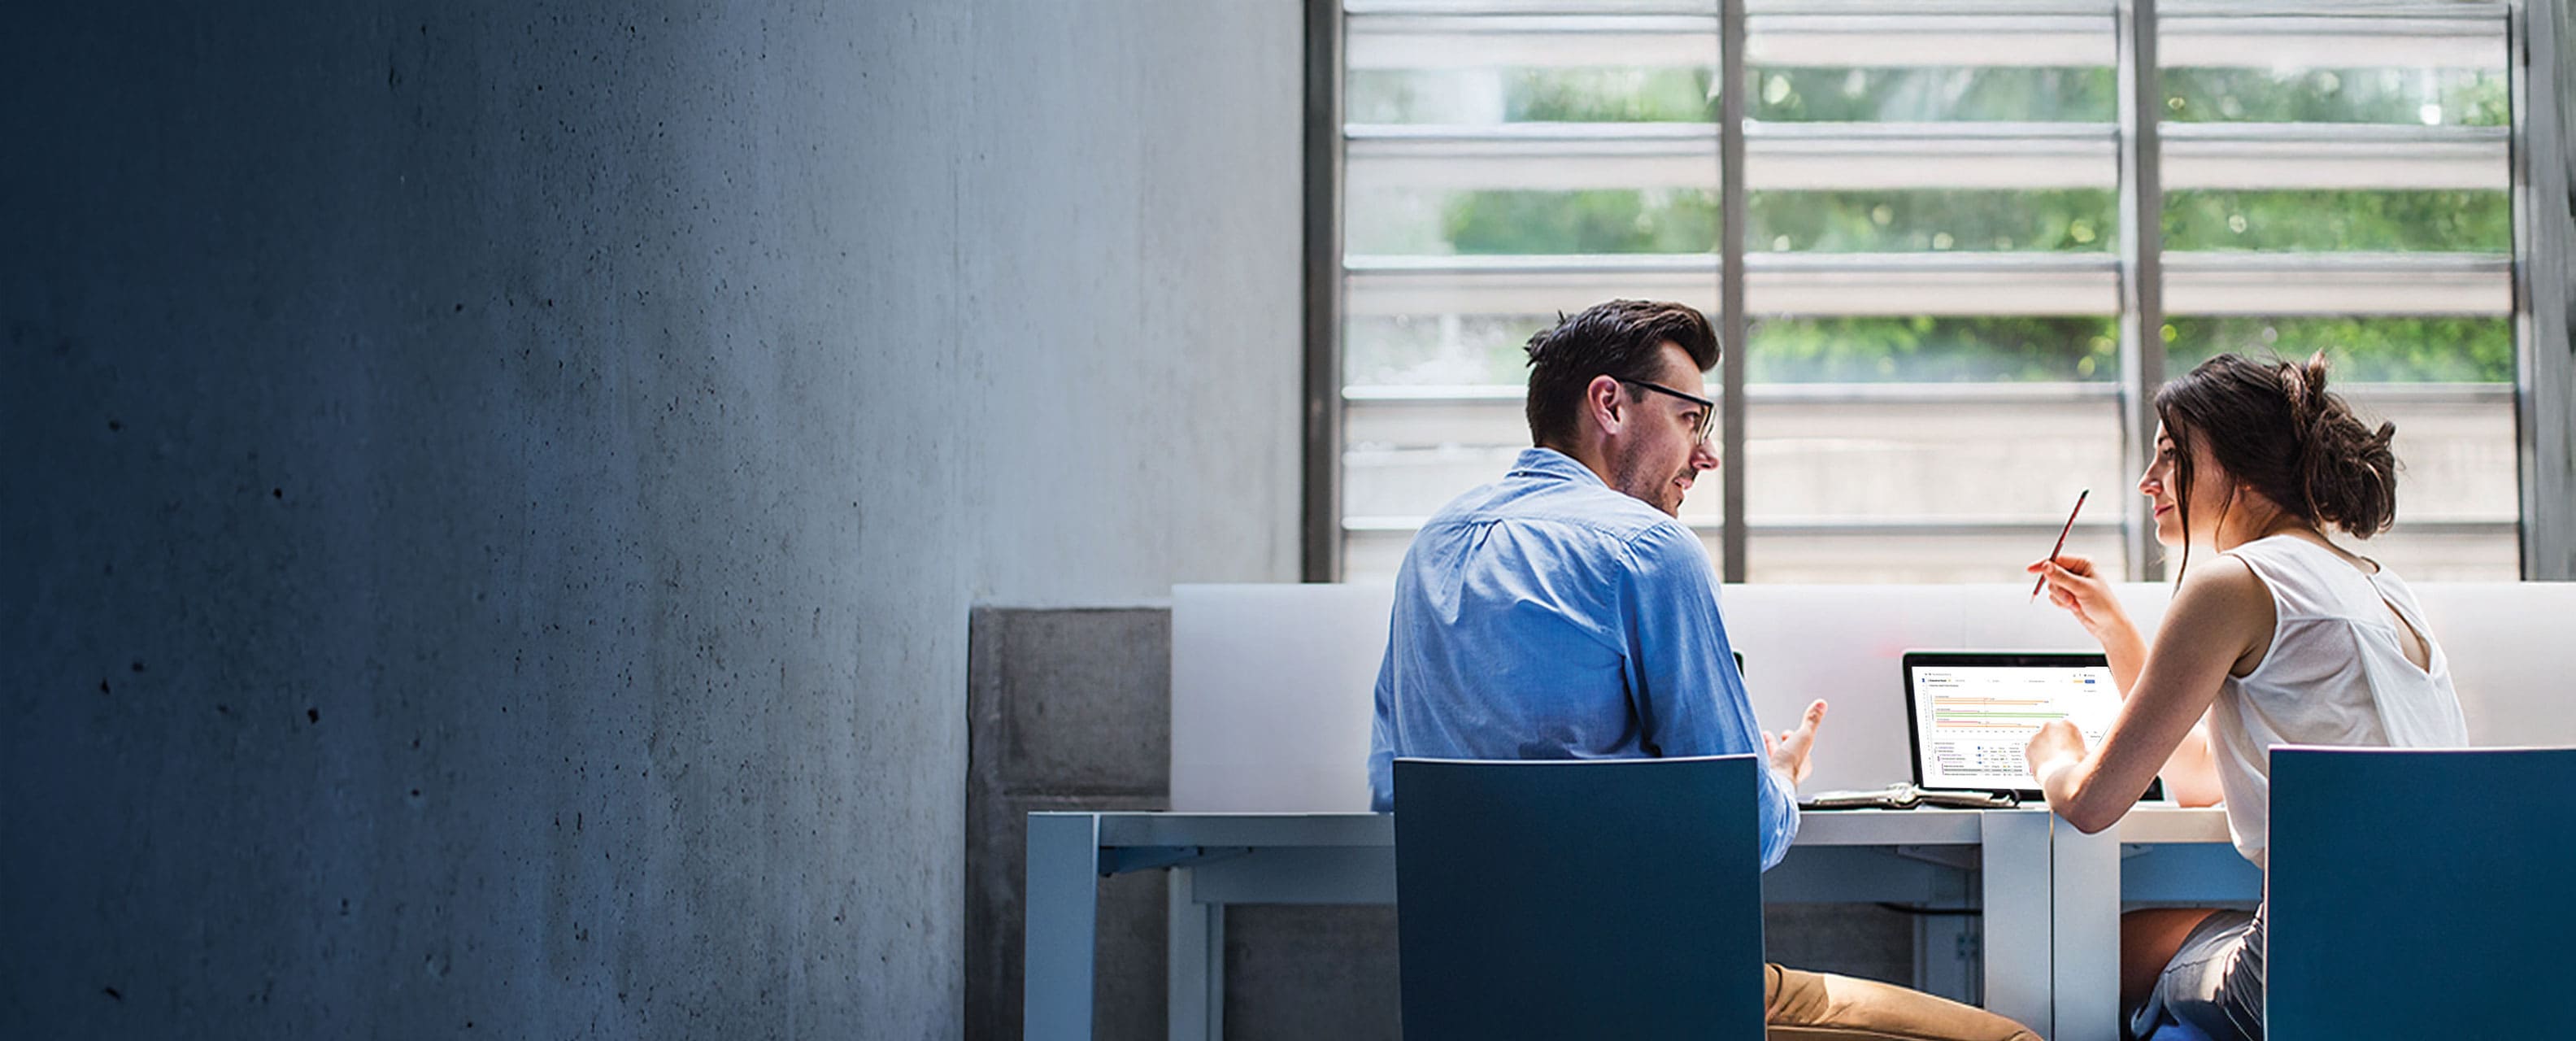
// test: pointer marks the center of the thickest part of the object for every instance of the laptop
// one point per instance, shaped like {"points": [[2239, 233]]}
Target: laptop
{"points": [[1970, 712]]}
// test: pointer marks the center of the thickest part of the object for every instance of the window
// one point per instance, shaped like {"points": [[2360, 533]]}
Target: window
{"points": [[2343, 183], [1945, 331]]}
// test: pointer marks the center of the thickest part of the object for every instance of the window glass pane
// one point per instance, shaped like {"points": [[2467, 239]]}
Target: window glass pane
{"points": [[1612, 96], [1923, 95], [1438, 350], [1932, 220], [2359, 164], [1872, 556], [1928, 349], [1942, 446], [2340, 221], [1502, 167], [1489, 96], [2376, 350], [1932, 256], [2429, 97], [1607, 220], [1933, 487]]}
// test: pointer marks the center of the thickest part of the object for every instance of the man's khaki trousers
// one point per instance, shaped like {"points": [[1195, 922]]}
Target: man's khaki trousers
{"points": [[1813, 1006]]}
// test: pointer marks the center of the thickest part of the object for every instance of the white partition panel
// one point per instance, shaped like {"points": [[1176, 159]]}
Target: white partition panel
{"points": [[1271, 683], [1846, 643], [2512, 647], [1271, 695]]}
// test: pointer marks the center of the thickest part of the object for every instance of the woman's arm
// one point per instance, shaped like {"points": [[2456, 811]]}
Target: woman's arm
{"points": [[2218, 616], [2074, 585], [2191, 773]]}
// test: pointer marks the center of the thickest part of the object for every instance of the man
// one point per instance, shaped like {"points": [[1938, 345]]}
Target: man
{"points": [[1565, 612]]}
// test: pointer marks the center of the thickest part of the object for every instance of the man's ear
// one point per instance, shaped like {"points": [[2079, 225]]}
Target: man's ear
{"points": [[1601, 399]]}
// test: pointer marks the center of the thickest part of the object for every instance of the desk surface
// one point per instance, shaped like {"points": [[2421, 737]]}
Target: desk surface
{"points": [[2050, 896], [2154, 823], [2149, 823]]}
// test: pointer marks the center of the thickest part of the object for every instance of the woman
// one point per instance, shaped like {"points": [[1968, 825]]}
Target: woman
{"points": [[2275, 635]]}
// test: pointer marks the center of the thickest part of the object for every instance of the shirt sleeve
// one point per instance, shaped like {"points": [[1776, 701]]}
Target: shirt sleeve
{"points": [[1381, 759], [1689, 698]]}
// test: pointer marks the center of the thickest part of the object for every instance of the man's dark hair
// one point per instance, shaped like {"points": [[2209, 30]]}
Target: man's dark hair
{"points": [[1622, 339]]}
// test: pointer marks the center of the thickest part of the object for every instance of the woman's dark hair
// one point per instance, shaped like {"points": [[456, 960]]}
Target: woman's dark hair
{"points": [[1622, 339], [2274, 427]]}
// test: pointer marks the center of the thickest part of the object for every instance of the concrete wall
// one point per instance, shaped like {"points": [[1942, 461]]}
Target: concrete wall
{"points": [[495, 490], [1067, 709]]}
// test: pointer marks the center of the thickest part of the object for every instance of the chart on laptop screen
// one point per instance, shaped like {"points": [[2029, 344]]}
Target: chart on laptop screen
{"points": [[1971, 721]]}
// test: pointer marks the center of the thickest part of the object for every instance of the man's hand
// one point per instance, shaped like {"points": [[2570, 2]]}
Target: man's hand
{"points": [[1788, 749]]}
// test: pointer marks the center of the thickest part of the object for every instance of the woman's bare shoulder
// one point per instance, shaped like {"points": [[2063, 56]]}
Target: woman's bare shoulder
{"points": [[2225, 590], [2224, 575]]}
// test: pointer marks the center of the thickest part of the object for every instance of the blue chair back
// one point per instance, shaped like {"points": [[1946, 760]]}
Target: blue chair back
{"points": [[2419, 893], [1595, 898]]}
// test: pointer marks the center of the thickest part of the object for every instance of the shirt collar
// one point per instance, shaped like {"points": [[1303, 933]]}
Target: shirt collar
{"points": [[1550, 463]]}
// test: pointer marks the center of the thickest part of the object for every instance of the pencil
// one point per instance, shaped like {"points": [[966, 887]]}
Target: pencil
{"points": [[2035, 587]]}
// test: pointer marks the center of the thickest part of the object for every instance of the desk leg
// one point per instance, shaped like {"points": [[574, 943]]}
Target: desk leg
{"points": [[1194, 952], [1063, 911], [2015, 870], [2085, 873]]}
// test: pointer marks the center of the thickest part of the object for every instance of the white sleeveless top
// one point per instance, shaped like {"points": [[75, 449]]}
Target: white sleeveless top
{"points": [[2336, 674]]}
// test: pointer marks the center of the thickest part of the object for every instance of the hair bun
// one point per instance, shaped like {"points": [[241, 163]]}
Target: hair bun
{"points": [[2304, 384], [2347, 470]]}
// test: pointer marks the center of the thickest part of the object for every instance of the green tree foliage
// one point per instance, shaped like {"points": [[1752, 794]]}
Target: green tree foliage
{"points": [[2447, 97], [1795, 95], [1610, 96], [2402, 350], [1402, 350], [1616, 220], [1932, 220], [2336, 221], [1926, 95], [1629, 221], [1933, 350], [1788, 94]]}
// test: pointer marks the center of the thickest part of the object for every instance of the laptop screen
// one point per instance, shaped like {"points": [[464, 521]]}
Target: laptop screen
{"points": [[1971, 713]]}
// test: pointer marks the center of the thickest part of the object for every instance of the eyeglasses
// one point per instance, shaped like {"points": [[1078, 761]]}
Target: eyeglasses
{"points": [[1707, 408]]}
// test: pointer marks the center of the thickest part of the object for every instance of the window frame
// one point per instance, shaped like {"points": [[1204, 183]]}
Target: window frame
{"points": [[2135, 280]]}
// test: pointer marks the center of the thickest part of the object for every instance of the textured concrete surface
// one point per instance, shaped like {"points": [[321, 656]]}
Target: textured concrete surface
{"points": [[1068, 709], [495, 490], [1863, 940]]}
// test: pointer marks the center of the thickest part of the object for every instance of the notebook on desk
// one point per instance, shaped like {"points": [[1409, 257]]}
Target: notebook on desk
{"points": [[1968, 714]]}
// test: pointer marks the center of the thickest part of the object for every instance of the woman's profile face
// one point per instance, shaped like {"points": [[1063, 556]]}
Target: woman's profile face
{"points": [[2161, 485]]}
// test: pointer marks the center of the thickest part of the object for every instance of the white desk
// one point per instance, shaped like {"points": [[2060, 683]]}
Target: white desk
{"points": [[2031, 873], [1272, 701], [2156, 854]]}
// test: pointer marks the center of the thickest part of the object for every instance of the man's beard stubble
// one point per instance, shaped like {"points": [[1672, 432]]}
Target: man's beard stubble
{"points": [[1658, 492]]}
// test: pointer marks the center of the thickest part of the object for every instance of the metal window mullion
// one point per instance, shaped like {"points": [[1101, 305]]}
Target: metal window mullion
{"points": [[2544, 234], [1320, 530], [2142, 355], [1733, 213]]}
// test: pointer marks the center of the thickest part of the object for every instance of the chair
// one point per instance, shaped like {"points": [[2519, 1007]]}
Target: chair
{"points": [[1596, 898], [2419, 893], [2171, 1031]]}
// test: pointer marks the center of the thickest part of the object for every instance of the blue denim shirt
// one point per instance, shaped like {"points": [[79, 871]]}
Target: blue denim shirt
{"points": [[1547, 616]]}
